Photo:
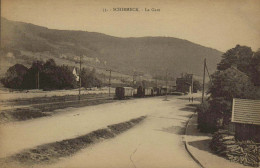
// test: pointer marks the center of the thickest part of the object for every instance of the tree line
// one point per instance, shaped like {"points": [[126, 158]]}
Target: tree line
{"points": [[48, 76]]}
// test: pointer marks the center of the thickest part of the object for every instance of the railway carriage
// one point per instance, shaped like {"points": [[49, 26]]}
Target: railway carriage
{"points": [[124, 92], [148, 91], [156, 91], [140, 92], [163, 91], [143, 92]]}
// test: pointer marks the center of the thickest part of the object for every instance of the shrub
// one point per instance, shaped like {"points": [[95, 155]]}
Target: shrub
{"points": [[206, 120]]}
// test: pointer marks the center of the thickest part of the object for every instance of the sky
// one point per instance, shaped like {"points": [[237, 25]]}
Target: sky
{"points": [[219, 24]]}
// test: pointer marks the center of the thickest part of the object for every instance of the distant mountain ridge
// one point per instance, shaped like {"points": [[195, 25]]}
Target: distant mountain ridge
{"points": [[151, 55]]}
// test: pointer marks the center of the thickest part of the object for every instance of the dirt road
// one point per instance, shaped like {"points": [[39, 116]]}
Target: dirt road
{"points": [[156, 142]]}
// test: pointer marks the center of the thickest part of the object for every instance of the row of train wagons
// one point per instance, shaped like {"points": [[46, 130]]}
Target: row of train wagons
{"points": [[127, 92], [150, 91]]}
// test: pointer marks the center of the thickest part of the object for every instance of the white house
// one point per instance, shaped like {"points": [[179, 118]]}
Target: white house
{"points": [[75, 74]]}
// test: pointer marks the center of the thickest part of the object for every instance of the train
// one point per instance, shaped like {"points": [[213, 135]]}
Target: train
{"points": [[124, 92], [128, 92], [142, 92]]}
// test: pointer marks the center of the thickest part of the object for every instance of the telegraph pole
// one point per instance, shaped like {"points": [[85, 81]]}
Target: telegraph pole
{"points": [[156, 80], [191, 87], [191, 83], [38, 83], [36, 80], [109, 81], [203, 86], [79, 76], [134, 79], [122, 80], [166, 85]]}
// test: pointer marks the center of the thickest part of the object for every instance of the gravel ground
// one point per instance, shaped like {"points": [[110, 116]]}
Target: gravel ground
{"points": [[157, 142]]}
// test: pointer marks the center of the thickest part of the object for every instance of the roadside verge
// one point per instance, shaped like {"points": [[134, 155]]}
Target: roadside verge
{"points": [[51, 152], [187, 146]]}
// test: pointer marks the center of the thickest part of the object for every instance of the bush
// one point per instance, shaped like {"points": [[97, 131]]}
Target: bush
{"points": [[206, 120], [196, 86]]}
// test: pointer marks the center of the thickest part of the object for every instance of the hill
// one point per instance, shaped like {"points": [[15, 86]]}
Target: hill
{"points": [[24, 42]]}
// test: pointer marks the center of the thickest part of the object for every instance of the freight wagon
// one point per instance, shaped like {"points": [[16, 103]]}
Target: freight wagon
{"points": [[124, 92], [148, 91], [140, 92], [143, 92], [163, 91], [156, 91]]}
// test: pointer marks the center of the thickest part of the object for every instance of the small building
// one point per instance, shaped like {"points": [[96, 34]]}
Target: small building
{"points": [[75, 73], [183, 84], [246, 117]]}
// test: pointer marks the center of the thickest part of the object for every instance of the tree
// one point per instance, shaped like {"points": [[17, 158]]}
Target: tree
{"points": [[37, 66], [51, 76], [255, 68], [50, 63], [30, 79], [14, 76], [57, 77], [240, 55], [196, 86], [225, 86], [230, 82], [65, 78], [89, 79]]}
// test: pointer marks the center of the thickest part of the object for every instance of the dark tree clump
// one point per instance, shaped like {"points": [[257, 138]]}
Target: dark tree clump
{"points": [[14, 76]]}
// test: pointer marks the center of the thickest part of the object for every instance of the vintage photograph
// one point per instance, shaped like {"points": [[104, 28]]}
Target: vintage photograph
{"points": [[130, 84]]}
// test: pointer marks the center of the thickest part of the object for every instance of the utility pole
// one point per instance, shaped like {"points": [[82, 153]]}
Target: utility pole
{"points": [[104, 79], [79, 76], [38, 80], [122, 80], [203, 85], [166, 85], [141, 80], [156, 80], [191, 87], [134, 79], [109, 81], [191, 83]]}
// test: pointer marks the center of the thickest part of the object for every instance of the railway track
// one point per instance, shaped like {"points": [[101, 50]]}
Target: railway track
{"points": [[52, 100], [25, 109]]}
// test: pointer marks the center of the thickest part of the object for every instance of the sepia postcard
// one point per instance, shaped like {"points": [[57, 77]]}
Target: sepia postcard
{"points": [[130, 84]]}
